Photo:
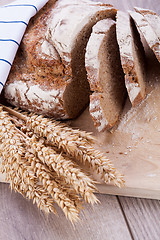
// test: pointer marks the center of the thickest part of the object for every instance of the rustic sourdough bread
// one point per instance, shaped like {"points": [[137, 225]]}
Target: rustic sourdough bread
{"points": [[48, 75], [132, 57], [105, 75], [151, 36]]}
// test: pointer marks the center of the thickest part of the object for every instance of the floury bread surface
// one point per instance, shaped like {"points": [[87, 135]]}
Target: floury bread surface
{"points": [[152, 18], [48, 75], [105, 75], [132, 57], [148, 23]]}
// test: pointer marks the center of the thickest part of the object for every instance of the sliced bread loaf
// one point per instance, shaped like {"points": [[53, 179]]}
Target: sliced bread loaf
{"points": [[105, 75], [48, 75], [132, 57], [148, 31]]}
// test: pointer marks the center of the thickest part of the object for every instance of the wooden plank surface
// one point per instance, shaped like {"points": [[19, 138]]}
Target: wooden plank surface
{"points": [[143, 217], [20, 219]]}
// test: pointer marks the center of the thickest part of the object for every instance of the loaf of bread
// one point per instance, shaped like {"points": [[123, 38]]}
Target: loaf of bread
{"points": [[149, 31], [132, 57], [105, 75], [48, 75]]}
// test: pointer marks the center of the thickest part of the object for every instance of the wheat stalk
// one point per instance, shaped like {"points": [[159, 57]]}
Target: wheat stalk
{"points": [[35, 192], [57, 126]]}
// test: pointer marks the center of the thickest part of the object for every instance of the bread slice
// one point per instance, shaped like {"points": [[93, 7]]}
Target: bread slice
{"points": [[105, 75], [152, 18], [48, 75], [132, 57], [149, 32]]}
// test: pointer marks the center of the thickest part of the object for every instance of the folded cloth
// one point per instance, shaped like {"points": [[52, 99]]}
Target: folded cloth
{"points": [[14, 19]]}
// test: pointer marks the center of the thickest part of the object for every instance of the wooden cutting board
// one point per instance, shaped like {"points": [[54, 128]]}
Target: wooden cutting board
{"points": [[134, 146]]}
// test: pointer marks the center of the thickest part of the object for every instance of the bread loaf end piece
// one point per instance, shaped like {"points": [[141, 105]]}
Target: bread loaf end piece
{"points": [[38, 78], [132, 57], [105, 75], [148, 32], [50, 62]]}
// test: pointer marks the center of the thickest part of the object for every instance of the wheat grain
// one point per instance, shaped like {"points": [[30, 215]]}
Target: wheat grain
{"points": [[64, 168]]}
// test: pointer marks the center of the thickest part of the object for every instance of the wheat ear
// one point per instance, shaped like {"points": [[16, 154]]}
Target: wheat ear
{"points": [[63, 167], [100, 164], [34, 192], [75, 134], [59, 194]]}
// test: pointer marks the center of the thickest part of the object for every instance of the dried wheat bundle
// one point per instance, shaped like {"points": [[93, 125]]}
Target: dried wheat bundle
{"points": [[21, 168], [75, 146], [38, 161], [66, 168], [22, 174]]}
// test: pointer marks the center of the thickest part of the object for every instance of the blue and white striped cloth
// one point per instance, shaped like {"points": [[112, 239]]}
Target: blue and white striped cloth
{"points": [[14, 19]]}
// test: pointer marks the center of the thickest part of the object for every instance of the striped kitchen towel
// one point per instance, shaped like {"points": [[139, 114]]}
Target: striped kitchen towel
{"points": [[14, 19]]}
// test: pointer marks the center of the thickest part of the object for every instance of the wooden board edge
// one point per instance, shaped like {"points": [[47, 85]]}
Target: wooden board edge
{"points": [[128, 192]]}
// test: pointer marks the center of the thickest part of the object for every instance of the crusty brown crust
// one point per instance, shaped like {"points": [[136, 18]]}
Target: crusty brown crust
{"points": [[126, 43], [131, 81], [152, 21], [30, 58], [97, 113], [32, 67], [148, 31]]}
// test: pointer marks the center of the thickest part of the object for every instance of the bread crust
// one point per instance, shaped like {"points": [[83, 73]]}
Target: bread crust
{"points": [[148, 32], [97, 113], [126, 42], [152, 18]]}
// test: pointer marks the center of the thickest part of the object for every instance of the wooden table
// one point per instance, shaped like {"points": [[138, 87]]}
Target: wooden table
{"points": [[115, 218]]}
